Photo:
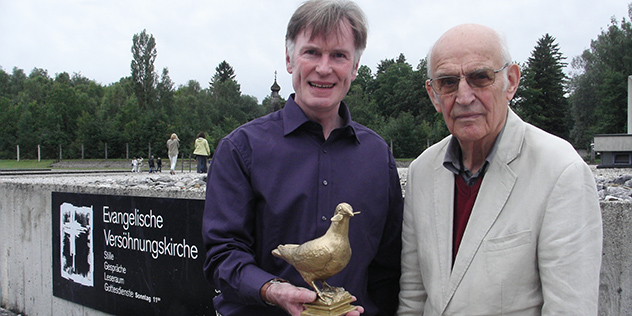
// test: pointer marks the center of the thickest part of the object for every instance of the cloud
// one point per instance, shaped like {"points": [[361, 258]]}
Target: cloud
{"points": [[94, 38]]}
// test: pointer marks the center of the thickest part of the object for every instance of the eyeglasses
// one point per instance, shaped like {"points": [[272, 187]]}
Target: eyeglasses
{"points": [[476, 79]]}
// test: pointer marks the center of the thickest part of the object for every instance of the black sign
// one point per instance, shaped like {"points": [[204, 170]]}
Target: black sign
{"points": [[127, 255]]}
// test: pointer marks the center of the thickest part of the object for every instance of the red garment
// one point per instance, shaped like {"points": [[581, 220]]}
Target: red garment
{"points": [[464, 199]]}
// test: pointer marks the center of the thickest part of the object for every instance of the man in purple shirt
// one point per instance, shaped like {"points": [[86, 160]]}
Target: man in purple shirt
{"points": [[278, 179]]}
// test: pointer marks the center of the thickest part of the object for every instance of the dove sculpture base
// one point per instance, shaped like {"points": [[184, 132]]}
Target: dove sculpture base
{"points": [[340, 304]]}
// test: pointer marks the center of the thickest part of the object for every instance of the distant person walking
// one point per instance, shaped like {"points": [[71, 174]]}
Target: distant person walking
{"points": [[173, 144], [134, 164], [201, 152], [151, 164], [139, 168], [158, 165]]}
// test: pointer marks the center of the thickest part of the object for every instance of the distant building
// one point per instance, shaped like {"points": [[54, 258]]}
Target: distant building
{"points": [[275, 99], [616, 149]]}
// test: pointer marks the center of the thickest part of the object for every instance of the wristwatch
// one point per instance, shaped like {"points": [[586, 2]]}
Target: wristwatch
{"points": [[264, 289]]}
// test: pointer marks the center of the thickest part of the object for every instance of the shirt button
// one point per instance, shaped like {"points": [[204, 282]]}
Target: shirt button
{"points": [[324, 218], [325, 182]]}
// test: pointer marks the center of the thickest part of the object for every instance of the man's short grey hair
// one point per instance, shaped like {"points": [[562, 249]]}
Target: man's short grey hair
{"points": [[322, 18]]}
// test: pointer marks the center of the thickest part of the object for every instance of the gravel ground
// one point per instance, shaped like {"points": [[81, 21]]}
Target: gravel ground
{"points": [[4, 312], [610, 182], [610, 173], [125, 165]]}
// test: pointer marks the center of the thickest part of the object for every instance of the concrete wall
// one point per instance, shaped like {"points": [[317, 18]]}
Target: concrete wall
{"points": [[26, 249], [615, 289]]}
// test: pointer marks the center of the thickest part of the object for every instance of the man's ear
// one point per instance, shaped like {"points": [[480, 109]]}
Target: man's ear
{"points": [[432, 96], [288, 62], [513, 80], [355, 70]]}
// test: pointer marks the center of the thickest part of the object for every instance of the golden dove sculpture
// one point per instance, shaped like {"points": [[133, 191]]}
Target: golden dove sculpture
{"points": [[323, 257]]}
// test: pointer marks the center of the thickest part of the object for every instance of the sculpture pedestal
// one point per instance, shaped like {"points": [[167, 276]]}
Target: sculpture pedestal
{"points": [[340, 305]]}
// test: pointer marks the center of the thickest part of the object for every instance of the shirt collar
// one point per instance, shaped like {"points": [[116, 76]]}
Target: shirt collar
{"points": [[452, 160], [294, 117]]}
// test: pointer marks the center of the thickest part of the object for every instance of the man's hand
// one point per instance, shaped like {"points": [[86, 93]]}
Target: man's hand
{"points": [[292, 298], [289, 297], [356, 312]]}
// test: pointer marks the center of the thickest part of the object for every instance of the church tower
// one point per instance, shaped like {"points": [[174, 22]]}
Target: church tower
{"points": [[275, 99]]}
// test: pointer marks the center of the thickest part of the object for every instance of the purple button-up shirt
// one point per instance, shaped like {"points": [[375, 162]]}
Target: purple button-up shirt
{"points": [[276, 180]]}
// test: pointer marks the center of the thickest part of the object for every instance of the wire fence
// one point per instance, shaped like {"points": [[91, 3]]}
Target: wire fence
{"points": [[60, 152]]}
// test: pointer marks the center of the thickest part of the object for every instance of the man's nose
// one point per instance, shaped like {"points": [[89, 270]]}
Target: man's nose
{"points": [[324, 65], [465, 93]]}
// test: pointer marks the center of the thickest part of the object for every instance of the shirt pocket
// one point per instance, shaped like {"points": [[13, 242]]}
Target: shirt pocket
{"points": [[508, 242]]}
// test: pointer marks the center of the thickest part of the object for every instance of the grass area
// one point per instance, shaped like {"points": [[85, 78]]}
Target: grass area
{"points": [[47, 164], [26, 164]]}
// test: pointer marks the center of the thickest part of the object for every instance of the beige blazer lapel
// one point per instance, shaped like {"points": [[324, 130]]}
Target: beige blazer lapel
{"points": [[484, 214], [498, 182], [443, 216]]}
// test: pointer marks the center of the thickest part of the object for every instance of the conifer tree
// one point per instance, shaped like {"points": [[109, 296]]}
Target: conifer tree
{"points": [[541, 98]]}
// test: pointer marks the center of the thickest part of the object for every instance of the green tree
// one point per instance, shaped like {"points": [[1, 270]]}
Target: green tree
{"points": [[191, 111], [60, 112], [405, 134], [362, 109], [165, 90], [541, 97], [36, 87], [598, 85], [423, 107], [26, 134], [364, 79], [5, 86], [9, 115], [16, 83], [392, 88], [383, 66], [223, 72], [229, 108], [111, 120], [143, 75]]}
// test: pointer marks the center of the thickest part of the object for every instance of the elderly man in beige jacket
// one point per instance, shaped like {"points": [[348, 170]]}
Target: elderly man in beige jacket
{"points": [[500, 217]]}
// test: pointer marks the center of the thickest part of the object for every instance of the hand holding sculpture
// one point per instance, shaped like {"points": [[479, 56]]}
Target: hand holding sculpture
{"points": [[321, 258]]}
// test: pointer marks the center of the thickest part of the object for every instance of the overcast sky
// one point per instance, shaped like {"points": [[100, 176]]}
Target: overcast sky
{"points": [[94, 37]]}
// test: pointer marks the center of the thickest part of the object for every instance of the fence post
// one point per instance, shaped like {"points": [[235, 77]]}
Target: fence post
{"points": [[149, 154], [82, 154], [106, 151], [39, 154], [126, 151], [59, 152], [18, 152]]}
